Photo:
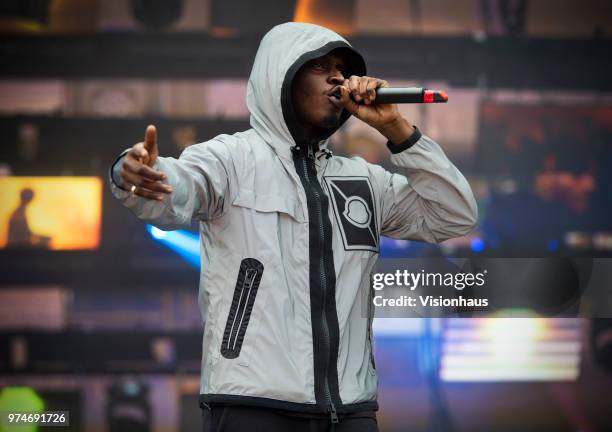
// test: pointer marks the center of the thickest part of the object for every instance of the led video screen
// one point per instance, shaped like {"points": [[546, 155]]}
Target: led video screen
{"points": [[53, 213]]}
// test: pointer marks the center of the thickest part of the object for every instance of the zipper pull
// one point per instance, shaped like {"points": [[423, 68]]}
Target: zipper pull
{"points": [[311, 154], [333, 415]]}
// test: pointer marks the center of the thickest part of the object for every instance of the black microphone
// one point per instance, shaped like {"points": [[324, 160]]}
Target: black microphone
{"points": [[395, 95]]}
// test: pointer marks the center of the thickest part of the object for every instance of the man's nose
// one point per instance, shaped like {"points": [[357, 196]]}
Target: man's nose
{"points": [[336, 77]]}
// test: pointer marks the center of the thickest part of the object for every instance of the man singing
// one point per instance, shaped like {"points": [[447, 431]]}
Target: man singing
{"points": [[290, 234]]}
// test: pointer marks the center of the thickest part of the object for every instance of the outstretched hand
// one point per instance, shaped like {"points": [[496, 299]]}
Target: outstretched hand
{"points": [[137, 168]]}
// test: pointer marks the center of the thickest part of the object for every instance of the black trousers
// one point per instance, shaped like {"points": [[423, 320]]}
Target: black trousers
{"points": [[253, 419]]}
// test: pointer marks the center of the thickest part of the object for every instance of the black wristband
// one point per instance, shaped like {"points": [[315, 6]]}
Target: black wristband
{"points": [[112, 168], [409, 142]]}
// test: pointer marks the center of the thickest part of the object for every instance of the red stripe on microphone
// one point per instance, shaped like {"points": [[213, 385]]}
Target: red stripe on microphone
{"points": [[428, 96]]}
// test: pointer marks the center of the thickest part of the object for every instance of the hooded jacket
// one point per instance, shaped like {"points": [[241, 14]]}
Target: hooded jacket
{"points": [[289, 237]]}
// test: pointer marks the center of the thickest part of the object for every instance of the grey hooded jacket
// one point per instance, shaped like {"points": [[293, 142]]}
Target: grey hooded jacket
{"points": [[289, 236]]}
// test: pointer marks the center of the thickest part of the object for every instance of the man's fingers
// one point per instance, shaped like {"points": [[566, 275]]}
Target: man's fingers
{"points": [[149, 173], [140, 153], [155, 186], [363, 89], [143, 170], [370, 90], [353, 86], [348, 103], [140, 191], [146, 188], [363, 84], [150, 140]]}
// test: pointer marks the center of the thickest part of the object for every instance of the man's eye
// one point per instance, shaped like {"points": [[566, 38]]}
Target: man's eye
{"points": [[318, 65]]}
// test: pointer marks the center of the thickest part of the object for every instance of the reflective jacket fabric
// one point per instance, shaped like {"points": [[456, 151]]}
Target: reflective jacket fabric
{"points": [[289, 238]]}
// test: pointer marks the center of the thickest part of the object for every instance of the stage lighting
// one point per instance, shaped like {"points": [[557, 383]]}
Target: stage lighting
{"points": [[511, 349], [184, 243]]}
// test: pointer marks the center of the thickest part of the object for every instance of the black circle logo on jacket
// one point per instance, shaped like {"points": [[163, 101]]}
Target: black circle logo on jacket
{"points": [[353, 203]]}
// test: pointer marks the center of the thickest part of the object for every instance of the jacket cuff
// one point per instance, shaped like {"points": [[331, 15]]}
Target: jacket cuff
{"points": [[409, 142], [112, 171]]}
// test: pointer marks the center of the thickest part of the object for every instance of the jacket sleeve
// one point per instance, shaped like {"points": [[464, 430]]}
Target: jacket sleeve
{"points": [[202, 179], [432, 201]]}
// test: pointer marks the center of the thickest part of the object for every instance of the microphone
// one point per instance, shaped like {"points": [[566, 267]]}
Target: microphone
{"points": [[395, 95]]}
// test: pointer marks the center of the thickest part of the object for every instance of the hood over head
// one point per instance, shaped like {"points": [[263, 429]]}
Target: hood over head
{"points": [[281, 53]]}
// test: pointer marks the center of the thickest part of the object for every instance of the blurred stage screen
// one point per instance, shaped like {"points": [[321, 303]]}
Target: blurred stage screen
{"points": [[55, 213]]}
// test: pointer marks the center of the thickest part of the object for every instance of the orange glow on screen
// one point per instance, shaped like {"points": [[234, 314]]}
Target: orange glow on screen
{"points": [[336, 16], [56, 213]]}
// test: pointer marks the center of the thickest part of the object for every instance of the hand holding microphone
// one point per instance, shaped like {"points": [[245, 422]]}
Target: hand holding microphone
{"points": [[373, 102]]}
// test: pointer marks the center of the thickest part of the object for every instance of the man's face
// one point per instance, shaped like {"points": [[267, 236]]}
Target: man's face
{"points": [[311, 89]]}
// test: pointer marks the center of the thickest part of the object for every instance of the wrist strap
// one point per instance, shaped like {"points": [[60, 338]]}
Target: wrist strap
{"points": [[405, 145], [112, 169]]}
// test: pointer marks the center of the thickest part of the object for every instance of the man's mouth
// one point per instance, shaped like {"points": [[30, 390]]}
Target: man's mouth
{"points": [[335, 92], [334, 97], [335, 102]]}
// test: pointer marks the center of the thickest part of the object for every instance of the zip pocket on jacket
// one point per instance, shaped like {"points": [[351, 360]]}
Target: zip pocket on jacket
{"points": [[249, 277]]}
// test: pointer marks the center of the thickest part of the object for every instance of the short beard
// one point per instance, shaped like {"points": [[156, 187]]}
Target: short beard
{"points": [[330, 122]]}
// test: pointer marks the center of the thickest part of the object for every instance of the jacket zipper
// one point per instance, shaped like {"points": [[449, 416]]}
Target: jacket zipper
{"points": [[325, 327], [249, 278]]}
